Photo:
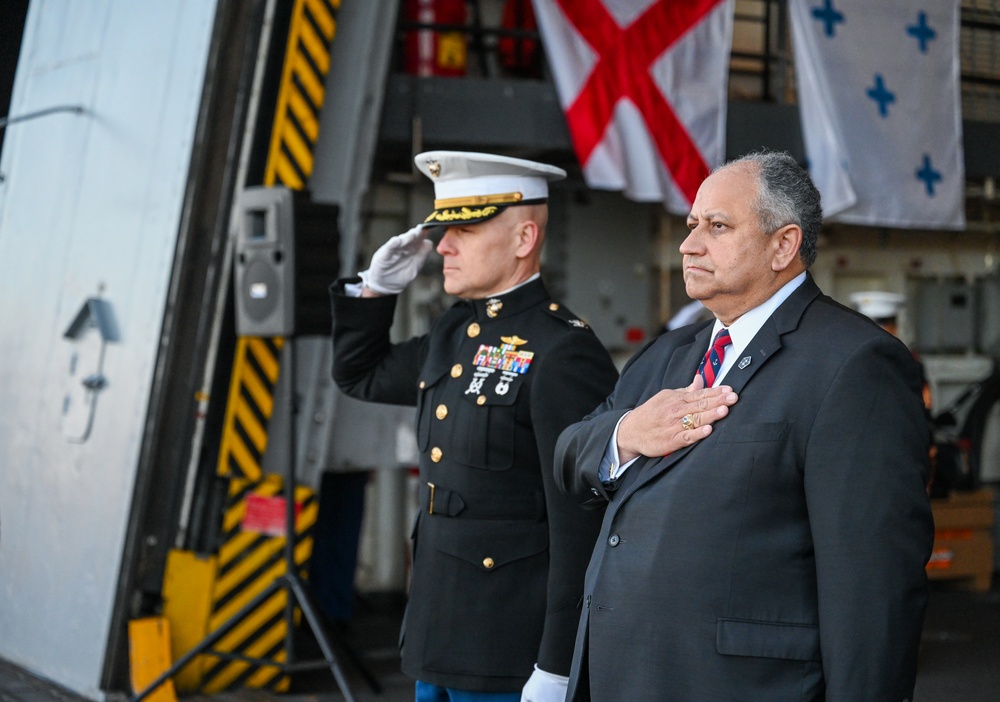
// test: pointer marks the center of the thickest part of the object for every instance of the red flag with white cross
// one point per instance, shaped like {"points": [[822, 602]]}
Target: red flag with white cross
{"points": [[643, 84]]}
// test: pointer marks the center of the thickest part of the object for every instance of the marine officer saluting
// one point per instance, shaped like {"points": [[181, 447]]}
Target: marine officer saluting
{"points": [[498, 553]]}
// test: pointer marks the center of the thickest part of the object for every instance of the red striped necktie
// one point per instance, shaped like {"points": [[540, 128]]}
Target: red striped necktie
{"points": [[712, 362]]}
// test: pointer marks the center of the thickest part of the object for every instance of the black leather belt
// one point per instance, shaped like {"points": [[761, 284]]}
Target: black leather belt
{"points": [[443, 502]]}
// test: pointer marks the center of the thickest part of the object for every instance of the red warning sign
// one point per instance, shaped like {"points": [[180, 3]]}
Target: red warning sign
{"points": [[266, 515]]}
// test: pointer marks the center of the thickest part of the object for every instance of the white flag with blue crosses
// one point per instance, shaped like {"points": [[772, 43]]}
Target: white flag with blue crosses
{"points": [[878, 84]]}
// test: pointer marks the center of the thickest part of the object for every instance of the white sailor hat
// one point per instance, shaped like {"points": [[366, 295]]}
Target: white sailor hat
{"points": [[472, 187], [878, 304]]}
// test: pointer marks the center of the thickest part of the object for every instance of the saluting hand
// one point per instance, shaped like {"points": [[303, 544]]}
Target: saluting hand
{"points": [[673, 419], [397, 262]]}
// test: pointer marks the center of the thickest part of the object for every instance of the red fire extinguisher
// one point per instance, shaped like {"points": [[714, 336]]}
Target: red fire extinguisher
{"points": [[430, 52]]}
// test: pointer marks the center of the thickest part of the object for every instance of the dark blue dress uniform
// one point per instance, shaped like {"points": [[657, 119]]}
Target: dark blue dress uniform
{"points": [[499, 554]]}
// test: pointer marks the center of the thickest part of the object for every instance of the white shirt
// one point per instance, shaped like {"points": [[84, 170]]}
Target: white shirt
{"points": [[742, 332]]}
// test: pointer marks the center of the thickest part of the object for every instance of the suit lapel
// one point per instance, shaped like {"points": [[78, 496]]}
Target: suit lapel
{"points": [[767, 341], [683, 365], [680, 371], [759, 351], [764, 346]]}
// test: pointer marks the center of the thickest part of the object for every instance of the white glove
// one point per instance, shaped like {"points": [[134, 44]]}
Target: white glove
{"points": [[397, 262], [544, 687]]}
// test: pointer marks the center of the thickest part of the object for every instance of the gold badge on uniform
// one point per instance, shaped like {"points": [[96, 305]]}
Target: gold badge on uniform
{"points": [[493, 307]]}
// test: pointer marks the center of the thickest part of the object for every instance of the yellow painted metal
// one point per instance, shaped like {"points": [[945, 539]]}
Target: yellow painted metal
{"points": [[149, 657], [187, 604], [304, 73], [248, 563], [249, 407]]}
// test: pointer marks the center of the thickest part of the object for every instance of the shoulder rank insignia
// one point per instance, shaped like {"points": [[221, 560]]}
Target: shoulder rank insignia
{"points": [[560, 312]]}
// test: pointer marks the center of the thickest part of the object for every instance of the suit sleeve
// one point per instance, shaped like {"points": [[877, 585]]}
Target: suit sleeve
{"points": [[572, 380], [581, 445], [366, 365], [864, 475]]}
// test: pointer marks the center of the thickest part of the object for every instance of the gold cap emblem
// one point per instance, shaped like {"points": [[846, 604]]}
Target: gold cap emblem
{"points": [[434, 168]]}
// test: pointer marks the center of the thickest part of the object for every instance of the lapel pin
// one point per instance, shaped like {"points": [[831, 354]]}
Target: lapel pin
{"points": [[744, 362]]}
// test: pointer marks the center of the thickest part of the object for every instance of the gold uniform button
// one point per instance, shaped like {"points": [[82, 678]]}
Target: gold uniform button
{"points": [[436, 454], [456, 370], [441, 412], [554, 306], [481, 400], [488, 563], [473, 330]]}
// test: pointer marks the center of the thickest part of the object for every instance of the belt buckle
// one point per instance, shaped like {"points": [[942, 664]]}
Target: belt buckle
{"points": [[430, 500]]}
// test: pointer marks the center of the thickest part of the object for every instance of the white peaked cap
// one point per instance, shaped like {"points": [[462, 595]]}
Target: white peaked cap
{"points": [[472, 187], [878, 304]]}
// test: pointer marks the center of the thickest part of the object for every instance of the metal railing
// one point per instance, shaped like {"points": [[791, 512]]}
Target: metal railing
{"points": [[762, 65]]}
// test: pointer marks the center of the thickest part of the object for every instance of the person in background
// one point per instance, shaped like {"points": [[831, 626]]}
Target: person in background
{"points": [[883, 308], [498, 552], [781, 556]]}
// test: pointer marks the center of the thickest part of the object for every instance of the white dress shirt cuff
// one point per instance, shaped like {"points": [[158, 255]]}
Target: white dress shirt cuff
{"points": [[611, 467], [353, 289]]}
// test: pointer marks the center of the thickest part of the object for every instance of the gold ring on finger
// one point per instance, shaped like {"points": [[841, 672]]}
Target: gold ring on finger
{"points": [[687, 423]]}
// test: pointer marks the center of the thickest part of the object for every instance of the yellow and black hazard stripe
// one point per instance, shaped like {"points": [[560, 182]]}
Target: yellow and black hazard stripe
{"points": [[296, 128], [289, 163], [249, 562], [250, 405]]}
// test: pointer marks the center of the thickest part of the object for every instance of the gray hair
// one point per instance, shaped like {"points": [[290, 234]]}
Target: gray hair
{"points": [[785, 195]]}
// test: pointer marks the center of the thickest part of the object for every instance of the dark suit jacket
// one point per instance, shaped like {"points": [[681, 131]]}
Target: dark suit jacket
{"points": [[498, 563], [782, 557]]}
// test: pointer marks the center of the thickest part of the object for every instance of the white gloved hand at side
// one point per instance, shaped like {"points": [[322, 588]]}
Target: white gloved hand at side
{"points": [[544, 687], [397, 262]]}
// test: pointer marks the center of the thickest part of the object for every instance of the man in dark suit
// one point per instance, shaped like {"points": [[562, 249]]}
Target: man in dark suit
{"points": [[776, 549], [498, 552]]}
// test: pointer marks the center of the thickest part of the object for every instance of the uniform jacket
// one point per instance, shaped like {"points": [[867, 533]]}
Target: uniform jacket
{"points": [[499, 553], [782, 557]]}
